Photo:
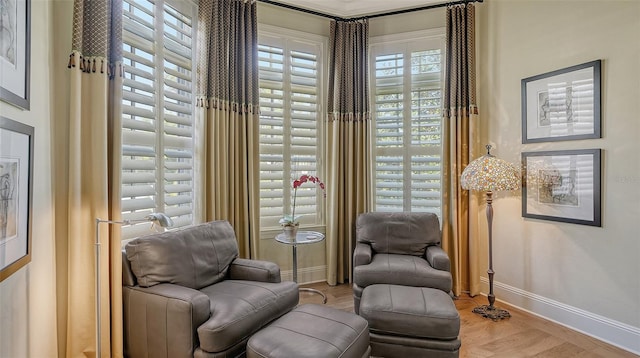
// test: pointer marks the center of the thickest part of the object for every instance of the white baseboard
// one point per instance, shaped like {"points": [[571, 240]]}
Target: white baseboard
{"points": [[306, 274], [616, 333]]}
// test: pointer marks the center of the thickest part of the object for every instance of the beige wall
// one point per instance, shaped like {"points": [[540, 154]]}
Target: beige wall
{"points": [[291, 19], [582, 276], [384, 25], [412, 21], [27, 298]]}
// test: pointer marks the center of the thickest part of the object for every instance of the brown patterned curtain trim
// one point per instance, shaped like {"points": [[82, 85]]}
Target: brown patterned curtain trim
{"points": [[460, 111], [97, 37], [227, 106], [95, 64], [460, 87], [227, 66], [348, 85]]}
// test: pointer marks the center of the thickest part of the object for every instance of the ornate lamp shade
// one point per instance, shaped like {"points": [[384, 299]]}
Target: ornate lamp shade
{"points": [[489, 173]]}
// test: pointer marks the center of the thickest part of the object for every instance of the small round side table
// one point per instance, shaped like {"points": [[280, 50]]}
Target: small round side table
{"points": [[302, 238]]}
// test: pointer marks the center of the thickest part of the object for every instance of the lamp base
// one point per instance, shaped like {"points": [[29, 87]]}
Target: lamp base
{"points": [[492, 312]]}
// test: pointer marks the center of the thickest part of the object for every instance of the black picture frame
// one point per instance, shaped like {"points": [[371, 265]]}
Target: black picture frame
{"points": [[562, 185], [16, 195], [15, 64], [562, 105]]}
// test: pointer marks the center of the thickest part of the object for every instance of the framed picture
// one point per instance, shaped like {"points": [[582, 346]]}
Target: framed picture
{"points": [[15, 45], [16, 188], [562, 186], [562, 105]]}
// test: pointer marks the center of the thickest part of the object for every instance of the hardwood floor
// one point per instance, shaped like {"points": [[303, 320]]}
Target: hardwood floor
{"points": [[522, 335]]}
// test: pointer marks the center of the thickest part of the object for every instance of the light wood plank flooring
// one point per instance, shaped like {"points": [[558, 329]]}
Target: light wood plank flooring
{"points": [[522, 335]]}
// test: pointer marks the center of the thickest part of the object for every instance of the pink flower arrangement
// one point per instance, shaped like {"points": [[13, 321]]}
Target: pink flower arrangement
{"points": [[290, 219]]}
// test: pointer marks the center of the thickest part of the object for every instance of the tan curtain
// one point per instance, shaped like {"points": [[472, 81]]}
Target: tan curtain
{"points": [[460, 208], [87, 174], [227, 113], [348, 149]]}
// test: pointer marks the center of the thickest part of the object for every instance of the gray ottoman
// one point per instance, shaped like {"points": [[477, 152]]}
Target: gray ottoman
{"points": [[410, 321], [312, 331]]}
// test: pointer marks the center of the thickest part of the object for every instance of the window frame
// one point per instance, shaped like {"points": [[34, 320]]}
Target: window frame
{"points": [[162, 32], [277, 36], [394, 43]]}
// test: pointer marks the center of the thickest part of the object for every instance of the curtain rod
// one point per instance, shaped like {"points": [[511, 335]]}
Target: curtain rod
{"points": [[338, 18]]}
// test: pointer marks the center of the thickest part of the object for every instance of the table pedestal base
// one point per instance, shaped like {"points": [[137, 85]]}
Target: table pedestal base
{"points": [[313, 290], [302, 237]]}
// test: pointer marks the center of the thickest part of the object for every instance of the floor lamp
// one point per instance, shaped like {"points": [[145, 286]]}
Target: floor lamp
{"points": [[489, 174], [156, 219]]}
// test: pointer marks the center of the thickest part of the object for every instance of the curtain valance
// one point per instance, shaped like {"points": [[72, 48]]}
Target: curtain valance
{"points": [[227, 70], [97, 36]]}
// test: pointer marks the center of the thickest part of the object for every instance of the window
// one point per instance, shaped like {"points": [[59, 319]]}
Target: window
{"points": [[290, 124], [406, 75], [157, 111]]}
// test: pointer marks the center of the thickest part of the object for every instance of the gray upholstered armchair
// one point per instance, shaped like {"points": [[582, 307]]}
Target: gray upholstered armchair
{"points": [[399, 249], [187, 294]]}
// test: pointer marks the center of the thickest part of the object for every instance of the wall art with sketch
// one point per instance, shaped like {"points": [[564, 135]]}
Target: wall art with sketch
{"points": [[15, 53], [562, 185], [16, 188], [562, 104]]}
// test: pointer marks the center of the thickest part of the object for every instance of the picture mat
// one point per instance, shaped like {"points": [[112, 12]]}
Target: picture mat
{"points": [[563, 186], [14, 147], [580, 84], [14, 74]]}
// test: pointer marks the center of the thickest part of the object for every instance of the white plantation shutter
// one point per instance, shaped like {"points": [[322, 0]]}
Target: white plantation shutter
{"points": [[407, 100], [157, 112], [290, 134]]}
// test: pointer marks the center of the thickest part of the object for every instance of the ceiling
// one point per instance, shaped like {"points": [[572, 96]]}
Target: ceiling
{"points": [[356, 8]]}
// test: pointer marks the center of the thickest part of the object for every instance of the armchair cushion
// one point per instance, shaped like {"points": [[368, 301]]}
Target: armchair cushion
{"points": [[241, 308], [404, 270], [193, 257], [254, 270], [398, 233]]}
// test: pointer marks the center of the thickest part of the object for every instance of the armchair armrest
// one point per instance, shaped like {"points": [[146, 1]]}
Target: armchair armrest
{"points": [[362, 254], [438, 258], [254, 270], [163, 313]]}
